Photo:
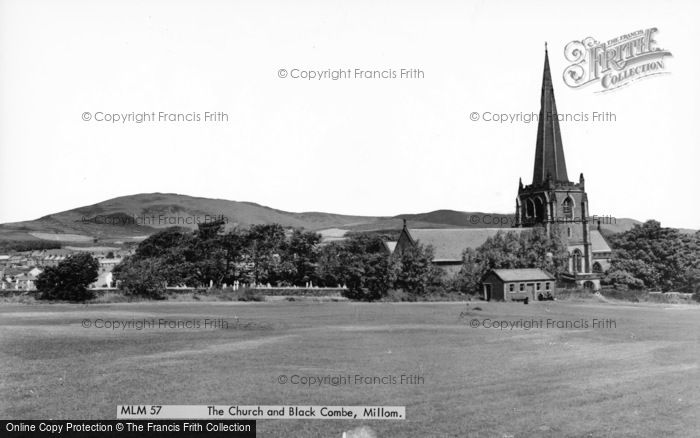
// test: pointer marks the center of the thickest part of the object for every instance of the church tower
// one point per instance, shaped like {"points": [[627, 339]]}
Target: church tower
{"points": [[552, 200]]}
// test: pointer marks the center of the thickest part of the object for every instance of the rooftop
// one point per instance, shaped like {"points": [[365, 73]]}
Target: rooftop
{"points": [[449, 243], [522, 274]]}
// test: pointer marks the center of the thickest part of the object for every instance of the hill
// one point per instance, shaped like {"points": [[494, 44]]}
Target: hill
{"points": [[134, 217]]}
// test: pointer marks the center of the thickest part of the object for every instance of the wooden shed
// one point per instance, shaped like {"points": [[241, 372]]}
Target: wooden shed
{"points": [[516, 284]]}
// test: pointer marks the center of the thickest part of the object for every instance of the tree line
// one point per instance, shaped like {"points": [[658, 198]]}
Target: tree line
{"points": [[647, 257], [271, 254]]}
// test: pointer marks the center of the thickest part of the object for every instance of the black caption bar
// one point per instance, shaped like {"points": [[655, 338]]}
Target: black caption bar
{"points": [[127, 428]]}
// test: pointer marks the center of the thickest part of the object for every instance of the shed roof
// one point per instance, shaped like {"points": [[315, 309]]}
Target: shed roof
{"points": [[522, 274]]}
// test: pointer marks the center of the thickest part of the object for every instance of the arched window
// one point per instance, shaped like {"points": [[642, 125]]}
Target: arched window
{"points": [[577, 261], [588, 285], [529, 208], [539, 209], [567, 208], [597, 268]]}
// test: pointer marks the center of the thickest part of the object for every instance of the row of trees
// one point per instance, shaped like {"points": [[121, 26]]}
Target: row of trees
{"points": [[646, 257], [260, 254], [268, 254]]}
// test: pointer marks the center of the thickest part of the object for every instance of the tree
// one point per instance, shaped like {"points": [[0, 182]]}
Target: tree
{"points": [[206, 254], [415, 271], [164, 243], [264, 245], [360, 263], [653, 257], [468, 279], [532, 248], [233, 246], [141, 277], [69, 279], [300, 256]]}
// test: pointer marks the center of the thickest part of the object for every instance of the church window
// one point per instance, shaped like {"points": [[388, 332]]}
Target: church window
{"points": [[568, 231], [597, 268], [568, 208], [577, 258], [539, 209], [530, 208]]}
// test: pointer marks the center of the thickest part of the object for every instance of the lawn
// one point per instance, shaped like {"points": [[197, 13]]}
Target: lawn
{"points": [[638, 378]]}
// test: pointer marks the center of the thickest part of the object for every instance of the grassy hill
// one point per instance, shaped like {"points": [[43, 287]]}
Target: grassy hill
{"points": [[133, 217]]}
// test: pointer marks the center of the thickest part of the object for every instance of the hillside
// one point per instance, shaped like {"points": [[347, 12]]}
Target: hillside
{"points": [[136, 216], [132, 218]]}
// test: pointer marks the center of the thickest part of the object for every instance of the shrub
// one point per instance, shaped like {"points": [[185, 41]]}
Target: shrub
{"points": [[250, 295], [141, 278]]}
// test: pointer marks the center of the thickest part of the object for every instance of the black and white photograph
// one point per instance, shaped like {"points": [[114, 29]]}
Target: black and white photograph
{"points": [[349, 219]]}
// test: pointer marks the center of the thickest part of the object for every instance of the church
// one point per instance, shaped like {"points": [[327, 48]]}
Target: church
{"points": [[550, 201]]}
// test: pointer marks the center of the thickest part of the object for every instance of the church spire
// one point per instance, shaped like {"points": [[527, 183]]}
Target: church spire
{"points": [[549, 153]]}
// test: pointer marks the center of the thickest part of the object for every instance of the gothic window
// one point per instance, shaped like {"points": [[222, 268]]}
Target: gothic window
{"points": [[539, 209], [568, 231], [568, 208], [597, 268], [577, 261], [529, 208]]}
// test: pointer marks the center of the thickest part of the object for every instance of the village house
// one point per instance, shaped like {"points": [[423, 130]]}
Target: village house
{"points": [[25, 282]]}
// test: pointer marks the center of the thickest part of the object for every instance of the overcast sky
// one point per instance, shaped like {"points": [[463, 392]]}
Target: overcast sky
{"points": [[353, 146]]}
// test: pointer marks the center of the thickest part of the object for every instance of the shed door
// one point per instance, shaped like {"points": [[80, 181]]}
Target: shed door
{"points": [[530, 288]]}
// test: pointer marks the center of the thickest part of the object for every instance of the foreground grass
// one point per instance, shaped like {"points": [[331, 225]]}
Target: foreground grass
{"points": [[639, 378]]}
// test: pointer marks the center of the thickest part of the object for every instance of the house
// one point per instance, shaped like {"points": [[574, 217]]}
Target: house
{"points": [[25, 282], [517, 284], [106, 265], [6, 283], [34, 272]]}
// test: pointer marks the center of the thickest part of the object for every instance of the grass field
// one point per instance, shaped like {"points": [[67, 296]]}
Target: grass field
{"points": [[638, 378]]}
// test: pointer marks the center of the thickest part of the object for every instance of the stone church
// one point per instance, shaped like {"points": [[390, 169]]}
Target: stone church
{"points": [[550, 201]]}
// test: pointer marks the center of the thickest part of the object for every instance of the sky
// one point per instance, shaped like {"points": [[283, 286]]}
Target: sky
{"points": [[364, 146]]}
